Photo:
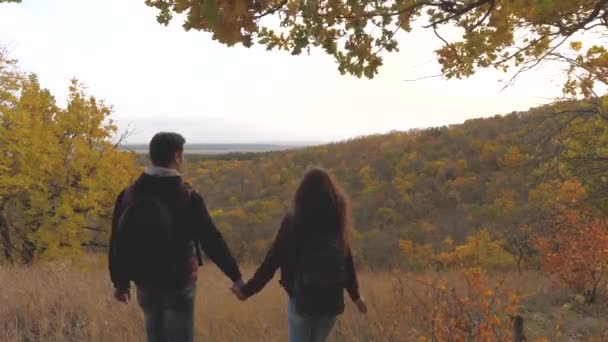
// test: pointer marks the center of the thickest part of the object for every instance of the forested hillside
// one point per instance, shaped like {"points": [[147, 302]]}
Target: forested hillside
{"points": [[497, 175], [502, 179]]}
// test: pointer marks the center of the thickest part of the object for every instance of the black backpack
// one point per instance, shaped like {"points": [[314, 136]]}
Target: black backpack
{"points": [[320, 278], [148, 244]]}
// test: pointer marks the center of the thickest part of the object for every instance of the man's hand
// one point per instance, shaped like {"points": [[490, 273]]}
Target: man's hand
{"points": [[361, 306], [236, 290], [122, 295]]}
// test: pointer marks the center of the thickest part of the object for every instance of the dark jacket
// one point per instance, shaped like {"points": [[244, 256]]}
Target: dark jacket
{"points": [[283, 254], [190, 212]]}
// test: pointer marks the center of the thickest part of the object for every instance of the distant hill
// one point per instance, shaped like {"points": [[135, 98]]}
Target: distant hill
{"points": [[214, 149], [423, 185]]}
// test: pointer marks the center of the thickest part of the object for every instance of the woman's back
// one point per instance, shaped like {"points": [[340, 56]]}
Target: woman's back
{"points": [[312, 251]]}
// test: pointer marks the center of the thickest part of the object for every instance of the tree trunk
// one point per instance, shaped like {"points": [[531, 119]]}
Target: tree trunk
{"points": [[28, 252], [520, 257], [590, 295], [518, 329], [5, 238]]}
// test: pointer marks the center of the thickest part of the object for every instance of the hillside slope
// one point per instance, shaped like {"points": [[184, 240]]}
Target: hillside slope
{"points": [[422, 185]]}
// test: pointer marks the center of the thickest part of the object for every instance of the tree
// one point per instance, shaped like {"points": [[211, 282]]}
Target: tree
{"points": [[494, 33], [581, 145], [519, 243], [577, 253], [60, 168]]}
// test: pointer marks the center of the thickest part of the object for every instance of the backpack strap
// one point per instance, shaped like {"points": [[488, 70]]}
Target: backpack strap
{"points": [[128, 197], [197, 249]]}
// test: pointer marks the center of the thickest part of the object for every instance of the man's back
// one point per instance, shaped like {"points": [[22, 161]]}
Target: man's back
{"points": [[154, 237], [192, 223]]}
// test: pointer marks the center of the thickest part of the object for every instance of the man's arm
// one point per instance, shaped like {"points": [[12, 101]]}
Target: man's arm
{"points": [[117, 271], [212, 241]]}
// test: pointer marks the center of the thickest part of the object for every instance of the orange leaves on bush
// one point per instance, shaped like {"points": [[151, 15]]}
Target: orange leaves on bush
{"points": [[577, 253], [481, 311]]}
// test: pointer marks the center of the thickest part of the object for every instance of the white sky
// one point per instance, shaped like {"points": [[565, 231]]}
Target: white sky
{"points": [[160, 78]]}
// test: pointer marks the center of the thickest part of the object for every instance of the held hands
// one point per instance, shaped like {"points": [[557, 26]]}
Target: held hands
{"points": [[361, 306], [122, 295], [236, 290], [237, 286]]}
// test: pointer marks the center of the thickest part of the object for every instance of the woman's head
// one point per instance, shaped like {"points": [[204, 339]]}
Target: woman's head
{"points": [[320, 205]]}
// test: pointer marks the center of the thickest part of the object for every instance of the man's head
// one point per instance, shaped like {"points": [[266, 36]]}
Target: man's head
{"points": [[167, 150]]}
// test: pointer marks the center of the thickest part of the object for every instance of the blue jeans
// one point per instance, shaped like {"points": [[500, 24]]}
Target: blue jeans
{"points": [[308, 328], [169, 314]]}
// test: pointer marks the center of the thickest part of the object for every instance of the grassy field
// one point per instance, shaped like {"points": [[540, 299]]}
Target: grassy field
{"points": [[63, 302]]}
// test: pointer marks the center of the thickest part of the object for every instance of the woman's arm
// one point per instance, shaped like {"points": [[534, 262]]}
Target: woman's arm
{"points": [[118, 273], [352, 283], [275, 256]]}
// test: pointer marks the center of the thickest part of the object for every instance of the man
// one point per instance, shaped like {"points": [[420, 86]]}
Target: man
{"points": [[158, 225]]}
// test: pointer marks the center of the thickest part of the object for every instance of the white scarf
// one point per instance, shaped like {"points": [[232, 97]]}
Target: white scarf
{"points": [[160, 171]]}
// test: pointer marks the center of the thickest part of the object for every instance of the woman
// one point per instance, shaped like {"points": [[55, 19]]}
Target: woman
{"points": [[313, 253]]}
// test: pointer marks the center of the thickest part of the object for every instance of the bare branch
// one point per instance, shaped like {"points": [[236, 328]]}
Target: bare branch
{"points": [[535, 64], [457, 12], [95, 229], [483, 19], [123, 136], [423, 78], [271, 10], [445, 42], [368, 15], [569, 30], [94, 244]]}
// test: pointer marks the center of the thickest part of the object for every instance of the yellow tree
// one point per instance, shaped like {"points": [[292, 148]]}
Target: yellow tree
{"points": [[60, 168]]}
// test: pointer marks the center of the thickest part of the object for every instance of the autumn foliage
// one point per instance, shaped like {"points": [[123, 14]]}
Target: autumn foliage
{"points": [[481, 249], [60, 169], [481, 310], [576, 253], [482, 34]]}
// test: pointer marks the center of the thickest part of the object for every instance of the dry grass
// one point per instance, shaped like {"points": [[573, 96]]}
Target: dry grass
{"points": [[62, 302]]}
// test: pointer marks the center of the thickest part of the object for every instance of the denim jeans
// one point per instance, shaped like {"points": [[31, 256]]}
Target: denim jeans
{"points": [[169, 314], [308, 328]]}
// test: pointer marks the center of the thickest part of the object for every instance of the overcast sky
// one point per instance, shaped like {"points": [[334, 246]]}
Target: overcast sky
{"points": [[163, 78]]}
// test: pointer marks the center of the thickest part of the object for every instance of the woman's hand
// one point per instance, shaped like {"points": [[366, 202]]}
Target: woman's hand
{"points": [[236, 290], [361, 306]]}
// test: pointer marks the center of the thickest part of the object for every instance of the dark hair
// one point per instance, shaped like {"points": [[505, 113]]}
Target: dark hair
{"points": [[321, 207], [163, 147]]}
